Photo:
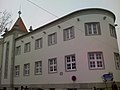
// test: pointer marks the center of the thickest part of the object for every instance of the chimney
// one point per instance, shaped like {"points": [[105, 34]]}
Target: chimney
{"points": [[6, 30], [30, 29]]}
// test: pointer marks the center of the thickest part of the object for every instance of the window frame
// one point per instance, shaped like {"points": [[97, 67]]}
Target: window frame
{"points": [[18, 50], [28, 70], [38, 43], [96, 60], [117, 61], [54, 65], [40, 68], [112, 31], [27, 47], [52, 39], [17, 71], [71, 66], [68, 33], [91, 24]]}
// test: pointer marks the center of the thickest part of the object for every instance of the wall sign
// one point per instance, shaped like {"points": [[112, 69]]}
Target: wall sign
{"points": [[108, 77]]}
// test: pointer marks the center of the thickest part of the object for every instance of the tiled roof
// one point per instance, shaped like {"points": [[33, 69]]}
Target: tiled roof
{"points": [[20, 25]]}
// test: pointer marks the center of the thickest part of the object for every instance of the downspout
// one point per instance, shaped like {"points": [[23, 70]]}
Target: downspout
{"points": [[2, 43], [12, 63]]}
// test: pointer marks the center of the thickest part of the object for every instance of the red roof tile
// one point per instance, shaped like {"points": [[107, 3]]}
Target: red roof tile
{"points": [[19, 23]]}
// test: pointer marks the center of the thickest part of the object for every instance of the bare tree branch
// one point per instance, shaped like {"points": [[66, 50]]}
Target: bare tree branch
{"points": [[5, 20]]}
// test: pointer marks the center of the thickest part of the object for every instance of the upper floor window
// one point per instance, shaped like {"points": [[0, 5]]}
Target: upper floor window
{"points": [[27, 47], [17, 70], [112, 31], [95, 60], [38, 67], [52, 63], [26, 69], [52, 39], [70, 61], [38, 43], [117, 60], [68, 33], [92, 28], [18, 50]]}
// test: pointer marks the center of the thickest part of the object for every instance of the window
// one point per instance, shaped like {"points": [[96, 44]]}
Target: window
{"points": [[117, 60], [52, 39], [112, 31], [27, 47], [92, 28], [68, 33], [38, 43], [38, 67], [26, 69], [17, 70], [70, 61], [52, 63], [18, 50], [95, 60]]}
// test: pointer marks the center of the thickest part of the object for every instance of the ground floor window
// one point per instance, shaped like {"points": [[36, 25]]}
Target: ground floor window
{"points": [[117, 60], [96, 60], [70, 62]]}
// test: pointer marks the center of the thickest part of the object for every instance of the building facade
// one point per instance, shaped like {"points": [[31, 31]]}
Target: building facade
{"points": [[77, 51]]}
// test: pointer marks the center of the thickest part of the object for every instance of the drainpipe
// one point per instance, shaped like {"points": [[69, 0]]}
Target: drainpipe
{"points": [[2, 44], [12, 63]]}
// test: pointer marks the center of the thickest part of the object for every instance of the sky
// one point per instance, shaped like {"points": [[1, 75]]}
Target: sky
{"points": [[45, 11]]}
